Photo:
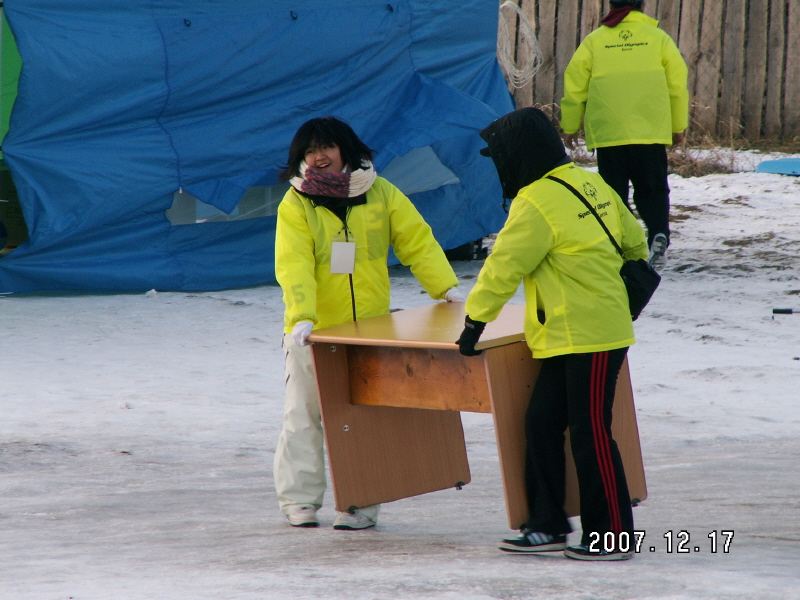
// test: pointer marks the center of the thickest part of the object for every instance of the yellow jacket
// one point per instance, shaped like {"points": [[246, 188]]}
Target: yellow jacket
{"points": [[630, 80], [569, 268], [303, 256]]}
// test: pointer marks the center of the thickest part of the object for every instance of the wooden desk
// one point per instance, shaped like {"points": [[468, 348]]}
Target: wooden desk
{"points": [[379, 379]]}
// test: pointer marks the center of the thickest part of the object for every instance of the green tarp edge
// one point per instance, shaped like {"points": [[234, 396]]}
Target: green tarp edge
{"points": [[10, 66]]}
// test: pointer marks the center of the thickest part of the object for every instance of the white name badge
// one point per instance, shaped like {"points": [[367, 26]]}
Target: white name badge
{"points": [[343, 257]]}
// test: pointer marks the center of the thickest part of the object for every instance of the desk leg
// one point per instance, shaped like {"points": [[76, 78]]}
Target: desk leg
{"points": [[625, 430], [512, 373], [379, 453]]}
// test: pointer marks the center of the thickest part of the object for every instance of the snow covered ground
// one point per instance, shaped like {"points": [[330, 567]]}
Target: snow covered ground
{"points": [[137, 435]]}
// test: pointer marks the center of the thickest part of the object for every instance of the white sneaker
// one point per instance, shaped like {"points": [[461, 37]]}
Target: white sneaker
{"points": [[302, 515], [658, 252], [582, 552], [355, 520]]}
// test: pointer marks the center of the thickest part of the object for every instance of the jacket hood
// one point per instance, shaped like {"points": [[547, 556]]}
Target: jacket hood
{"points": [[524, 146]]}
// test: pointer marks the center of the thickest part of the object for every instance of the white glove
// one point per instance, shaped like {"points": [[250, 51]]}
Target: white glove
{"points": [[453, 295], [301, 331]]}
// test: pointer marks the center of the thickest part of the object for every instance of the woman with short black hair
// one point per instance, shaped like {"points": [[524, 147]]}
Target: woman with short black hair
{"points": [[335, 226]]}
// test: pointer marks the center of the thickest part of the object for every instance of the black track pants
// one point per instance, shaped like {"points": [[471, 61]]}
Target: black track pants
{"points": [[576, 391], [645, 166]]}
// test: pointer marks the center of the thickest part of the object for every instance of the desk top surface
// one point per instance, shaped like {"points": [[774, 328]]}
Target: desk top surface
{"points": [[436, 325]]}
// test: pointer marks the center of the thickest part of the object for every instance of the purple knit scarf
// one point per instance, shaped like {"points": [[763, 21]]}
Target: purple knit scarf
{"points": [[347, 184]]}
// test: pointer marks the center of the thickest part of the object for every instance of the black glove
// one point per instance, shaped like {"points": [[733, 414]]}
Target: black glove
{"points": [[469, 337]]}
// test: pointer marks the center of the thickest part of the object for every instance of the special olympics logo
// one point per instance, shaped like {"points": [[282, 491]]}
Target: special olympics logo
{"points": [[589, 190], [626, 34]]}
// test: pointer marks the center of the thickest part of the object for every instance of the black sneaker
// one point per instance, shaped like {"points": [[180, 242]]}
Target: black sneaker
{"points": [[533, 542], [582, 552]]}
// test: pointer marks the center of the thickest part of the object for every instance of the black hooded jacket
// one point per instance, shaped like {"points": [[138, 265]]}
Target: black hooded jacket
{"points": [[524, 146]]}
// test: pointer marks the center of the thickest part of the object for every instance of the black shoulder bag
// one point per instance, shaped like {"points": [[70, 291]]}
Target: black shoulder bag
{"points": [[641, 280]]}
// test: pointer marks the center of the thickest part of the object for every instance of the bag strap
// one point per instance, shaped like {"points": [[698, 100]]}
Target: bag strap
{"points": [[593, 211]]}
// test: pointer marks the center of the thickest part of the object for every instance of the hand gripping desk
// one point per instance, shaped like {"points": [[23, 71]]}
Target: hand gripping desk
{"points": [[391, 389]]}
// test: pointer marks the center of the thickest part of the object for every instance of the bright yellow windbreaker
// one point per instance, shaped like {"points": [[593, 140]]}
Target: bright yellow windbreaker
{"points": [[568, 266], [630, 81], [303, 256]]}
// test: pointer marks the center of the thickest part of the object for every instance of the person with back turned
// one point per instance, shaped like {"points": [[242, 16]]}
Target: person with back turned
{"points": [[577, 322], [627, 82]]}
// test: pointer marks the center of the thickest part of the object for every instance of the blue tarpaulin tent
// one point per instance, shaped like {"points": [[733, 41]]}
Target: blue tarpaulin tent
{"points": [[146, 138]]}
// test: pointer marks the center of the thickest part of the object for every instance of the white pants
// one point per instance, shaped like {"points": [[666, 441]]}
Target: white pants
{"points": [[299, 467]]}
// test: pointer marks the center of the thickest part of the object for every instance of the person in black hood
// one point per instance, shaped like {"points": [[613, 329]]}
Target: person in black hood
{"points": [[577, 323], [524, 146]]}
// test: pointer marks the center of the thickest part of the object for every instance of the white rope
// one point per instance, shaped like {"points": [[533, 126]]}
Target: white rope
{"points": [[517, 48]]}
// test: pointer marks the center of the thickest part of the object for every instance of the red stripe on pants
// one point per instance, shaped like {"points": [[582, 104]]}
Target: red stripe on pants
{"points": [[601, 441]]}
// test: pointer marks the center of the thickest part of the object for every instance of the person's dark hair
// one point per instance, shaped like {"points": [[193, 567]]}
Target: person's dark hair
{"points": [[637, 4], [321, 131]]}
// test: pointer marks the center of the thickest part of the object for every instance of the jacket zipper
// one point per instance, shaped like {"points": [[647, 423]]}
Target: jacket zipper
{"points": [[350, 275]]}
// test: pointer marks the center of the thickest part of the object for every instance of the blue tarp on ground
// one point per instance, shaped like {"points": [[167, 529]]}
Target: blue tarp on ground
{"points": [[780, 166], [122, 103]]}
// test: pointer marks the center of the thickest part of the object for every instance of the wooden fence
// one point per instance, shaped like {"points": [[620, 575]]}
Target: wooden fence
{"points": [[743, 58]]}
